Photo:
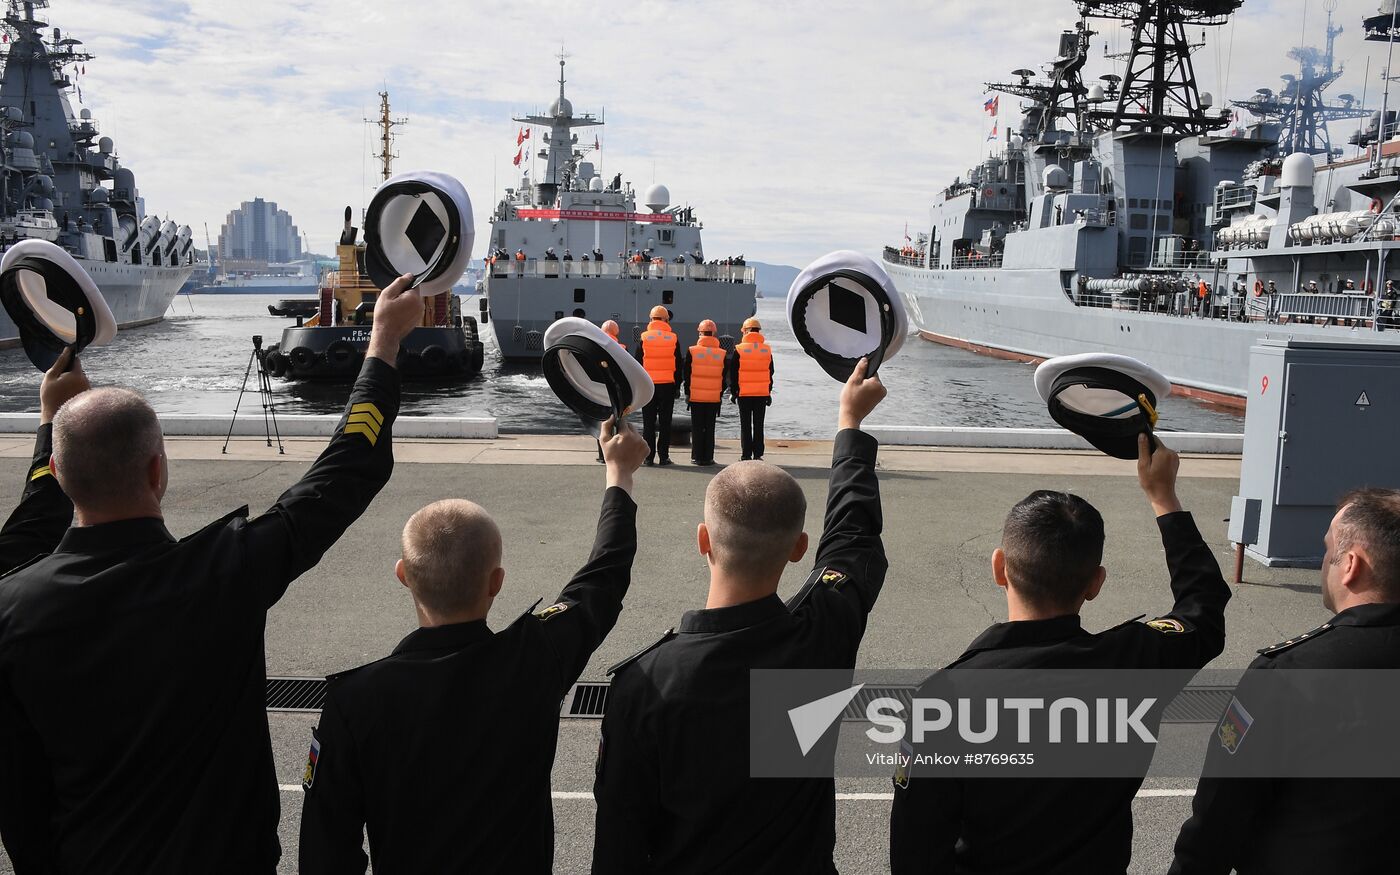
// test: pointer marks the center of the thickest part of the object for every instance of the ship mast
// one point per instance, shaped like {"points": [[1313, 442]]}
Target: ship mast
{"points": [[561, 155], [386, 124]]}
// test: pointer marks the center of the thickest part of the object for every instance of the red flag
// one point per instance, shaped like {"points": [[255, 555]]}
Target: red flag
{"points": [[596, 147], [519, 136], [4, 37], [518, 154], [527, 133]]}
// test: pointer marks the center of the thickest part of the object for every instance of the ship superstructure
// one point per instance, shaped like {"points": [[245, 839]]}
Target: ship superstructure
{"points": [[61, 181], [1122, 216], [569, 242]]}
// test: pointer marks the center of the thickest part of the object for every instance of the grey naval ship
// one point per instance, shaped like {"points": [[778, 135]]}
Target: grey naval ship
{"points": [[571, 243], [1130, 215], [61, 181]]}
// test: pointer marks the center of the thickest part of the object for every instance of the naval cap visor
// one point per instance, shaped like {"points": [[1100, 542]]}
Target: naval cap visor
{"points": [[419, 223], [844, 307], [591, 373], [53, 302], [1106, 399]]}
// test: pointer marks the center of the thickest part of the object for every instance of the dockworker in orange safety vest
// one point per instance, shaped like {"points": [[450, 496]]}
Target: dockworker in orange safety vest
{"points": [[704, 371], [750, 383], [660, 352]]}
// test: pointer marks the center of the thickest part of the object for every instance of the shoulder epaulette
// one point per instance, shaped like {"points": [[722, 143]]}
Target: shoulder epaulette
{"points": [[1297, 639], [619, 666], [23, 565]]}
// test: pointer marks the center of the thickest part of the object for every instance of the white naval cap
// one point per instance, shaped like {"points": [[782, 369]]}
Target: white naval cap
{"points": [[594, 375], [53, 302], [419, 223], [1105, 398], [843, 307]]}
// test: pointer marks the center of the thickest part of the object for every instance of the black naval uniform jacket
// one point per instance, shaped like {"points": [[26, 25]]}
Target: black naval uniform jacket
{"points": [[673, 788], [1010, 825], [1302, 825], [132, 672], [44, 511], [444, 748]]}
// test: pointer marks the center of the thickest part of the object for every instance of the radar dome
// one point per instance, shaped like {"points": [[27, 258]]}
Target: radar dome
{"points": [[595, 184], [86, 114], [658, 198], [562, 108], [1207, 100], [45, 204], [104, 145], [24, 140], [98, 195], [1096, 93], [44, 183], [1055, 178], [14, 113], [124, 178], [1298, 170]]}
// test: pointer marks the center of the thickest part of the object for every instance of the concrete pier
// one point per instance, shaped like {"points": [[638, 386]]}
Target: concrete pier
{"points": [[943, 511]]}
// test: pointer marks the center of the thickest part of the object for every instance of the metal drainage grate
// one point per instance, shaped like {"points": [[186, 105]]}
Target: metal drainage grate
{"points": [[296, 694], [589, 700], [585, 700]]}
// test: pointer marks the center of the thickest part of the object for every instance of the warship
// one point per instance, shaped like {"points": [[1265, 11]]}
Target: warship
{"points": [[570, 243], [1132, 216], [60, 180]]}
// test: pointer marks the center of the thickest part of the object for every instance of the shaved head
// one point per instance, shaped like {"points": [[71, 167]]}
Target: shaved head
{"points": [[103, 442], [754, 512], [450, 549]]}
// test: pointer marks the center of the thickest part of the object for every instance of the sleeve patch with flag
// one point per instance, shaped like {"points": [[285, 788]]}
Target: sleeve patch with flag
{"points": [[42, 471], [308, 777], [833, 578], [365, 419], [1167, 625]]}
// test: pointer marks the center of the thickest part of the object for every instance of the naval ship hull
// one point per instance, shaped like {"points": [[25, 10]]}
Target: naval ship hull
{"points": [[1025, 315], [520, 309], [137, 294]]}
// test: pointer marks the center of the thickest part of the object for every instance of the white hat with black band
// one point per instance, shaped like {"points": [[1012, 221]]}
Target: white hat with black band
{"points": [[53, 302], [594, 375], [419, 223], [844, 307], [1105, 398]]}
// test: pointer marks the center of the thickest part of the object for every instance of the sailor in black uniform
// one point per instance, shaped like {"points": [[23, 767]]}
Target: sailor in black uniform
{"points": [[1049, 565], [44, 512], [1281, 826], [673, 787], [408, 746], [132, 674]]}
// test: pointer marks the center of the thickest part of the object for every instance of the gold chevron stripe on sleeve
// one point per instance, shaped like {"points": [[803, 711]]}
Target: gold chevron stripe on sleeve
{"points": [[370, 434], [370, 408], [45, 471], [366, 419]]}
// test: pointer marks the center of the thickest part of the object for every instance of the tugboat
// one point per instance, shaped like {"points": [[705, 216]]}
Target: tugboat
{"points": [[331, 344]]}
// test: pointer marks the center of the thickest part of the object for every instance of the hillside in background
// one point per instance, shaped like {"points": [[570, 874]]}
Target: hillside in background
{"points": [[774, 279]]}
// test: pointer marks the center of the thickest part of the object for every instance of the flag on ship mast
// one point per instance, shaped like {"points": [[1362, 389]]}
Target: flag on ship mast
{"points": [[993, 134], [993, 105], [906, 232], [519, 136], [519, 153], [596, 147]]}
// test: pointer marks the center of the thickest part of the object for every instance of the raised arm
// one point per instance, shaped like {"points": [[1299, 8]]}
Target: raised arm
{"points": [[308, 518], [588, 607], [1193, 632], [44, 512]]}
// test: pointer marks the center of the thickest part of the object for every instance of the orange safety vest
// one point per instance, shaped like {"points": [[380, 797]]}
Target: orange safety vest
{"points": [[659, 352], [706, 371], [755, 364]]}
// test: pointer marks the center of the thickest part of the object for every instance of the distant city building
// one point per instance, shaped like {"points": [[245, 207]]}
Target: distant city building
{"points": [[258, 234]]}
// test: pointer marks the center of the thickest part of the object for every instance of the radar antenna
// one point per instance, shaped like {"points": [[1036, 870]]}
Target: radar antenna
{"points": [[1299, 109], [1158, 93], [386, 124]]}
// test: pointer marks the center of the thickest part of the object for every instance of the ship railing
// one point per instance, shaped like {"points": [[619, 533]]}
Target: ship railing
{"points": [[1180, 261], [690, 272], [1234, 197], [977, 261], [894, 256], [1304, 305]]}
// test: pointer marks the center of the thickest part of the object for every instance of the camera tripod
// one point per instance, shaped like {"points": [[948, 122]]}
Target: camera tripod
{"points": [[264, 395]]}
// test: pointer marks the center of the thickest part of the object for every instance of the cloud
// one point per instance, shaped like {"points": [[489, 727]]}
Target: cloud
{"points": [[792, 128]]}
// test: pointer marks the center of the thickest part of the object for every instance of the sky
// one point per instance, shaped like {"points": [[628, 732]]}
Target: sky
{"points": [[792, 128]]}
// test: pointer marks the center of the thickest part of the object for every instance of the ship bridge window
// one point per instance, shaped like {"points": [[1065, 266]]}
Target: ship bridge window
{"points": [[665, 235], [1164, 222], [501, 238], [1138, 221], [580, 314], [579, 295], [1132, 203], [668, 296]]}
